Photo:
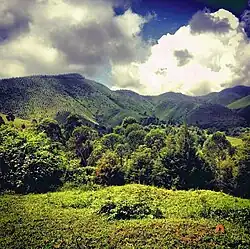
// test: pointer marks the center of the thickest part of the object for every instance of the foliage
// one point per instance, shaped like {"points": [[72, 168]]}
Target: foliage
{"points": [[127, 121], [140, 166], [30, 162], [125, 210], [52, 129], [108, 171]]}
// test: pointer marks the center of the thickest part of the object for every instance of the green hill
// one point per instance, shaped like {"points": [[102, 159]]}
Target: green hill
{"points": [[227, 96], [59, 95], [130, 216], [241, 103]]}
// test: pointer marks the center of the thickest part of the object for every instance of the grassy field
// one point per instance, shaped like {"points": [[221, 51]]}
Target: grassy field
{"points": [[130, 216]]}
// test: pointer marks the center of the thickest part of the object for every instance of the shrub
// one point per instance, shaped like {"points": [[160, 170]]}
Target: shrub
{"points": [[125, 210]]}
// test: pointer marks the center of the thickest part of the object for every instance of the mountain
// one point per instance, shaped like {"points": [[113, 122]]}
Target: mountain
{"points": [[57, 96], [241, 103], [227, 96], [242, 107]]}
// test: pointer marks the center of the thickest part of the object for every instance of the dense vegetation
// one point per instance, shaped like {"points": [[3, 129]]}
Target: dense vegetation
{"points": [[44, 155], [60, 95]]}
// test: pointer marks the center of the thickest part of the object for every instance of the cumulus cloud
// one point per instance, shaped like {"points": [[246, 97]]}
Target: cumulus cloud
{"points": [[68, 35], [195, 63], [203, 21], [58, 36]]}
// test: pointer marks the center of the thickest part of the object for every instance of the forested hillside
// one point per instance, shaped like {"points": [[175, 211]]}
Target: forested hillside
{"points": [[61, 95]]}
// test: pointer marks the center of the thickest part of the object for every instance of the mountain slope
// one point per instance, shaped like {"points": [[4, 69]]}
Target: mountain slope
{"points": [[227, 96], [241, 103], [59, 95], [46, 96]]}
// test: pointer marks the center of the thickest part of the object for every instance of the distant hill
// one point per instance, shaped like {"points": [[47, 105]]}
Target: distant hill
{"points": [[227, 96], [57, 96], [241, 103]]}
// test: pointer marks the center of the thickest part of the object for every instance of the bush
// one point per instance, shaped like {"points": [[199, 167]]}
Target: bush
{"points": [[125, 210], [29, 161], [109, 171]]}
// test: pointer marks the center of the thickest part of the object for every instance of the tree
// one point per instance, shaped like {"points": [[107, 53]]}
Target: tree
{"points": [[155, 139], [132, 127], [128, 120], [119, 130], [1, 121], [110, 140], [243, 163], [217, 148], [30, 162], [218, 152], [72, 122], [10, 117], [179, 164], [122, 150], [140, 166], [136, 138], [82, 142], [52, 129], [109, 171]]}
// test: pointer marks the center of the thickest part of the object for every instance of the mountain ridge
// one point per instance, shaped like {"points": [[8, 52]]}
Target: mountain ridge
{"points": [[48, 95]]}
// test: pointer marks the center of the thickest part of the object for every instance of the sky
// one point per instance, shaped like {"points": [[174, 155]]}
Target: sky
{"points": [[148, 46]]}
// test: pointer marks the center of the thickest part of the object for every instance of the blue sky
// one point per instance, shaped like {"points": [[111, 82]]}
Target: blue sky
{"points": [[172, 14]]}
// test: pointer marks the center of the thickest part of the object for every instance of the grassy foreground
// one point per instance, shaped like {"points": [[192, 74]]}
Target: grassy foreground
{"points": [[130, 216]]}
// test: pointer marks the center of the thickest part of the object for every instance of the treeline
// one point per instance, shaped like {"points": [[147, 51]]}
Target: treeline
{"points": [[45, 156]]}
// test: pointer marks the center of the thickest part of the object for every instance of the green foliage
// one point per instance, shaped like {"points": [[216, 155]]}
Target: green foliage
{"points": [[219, 153], [217, 148], [52, 129], [243, 163], [155, 139], [81, 142], [136, 138], [30, 162], [110, 140], [109, 171], [125, 210], [179, 165], [127, 121], [140, 166]]}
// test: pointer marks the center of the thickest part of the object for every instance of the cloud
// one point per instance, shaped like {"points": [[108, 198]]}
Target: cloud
{"points": [[13, 21], [204, 21], [245, 17], [60, 36], [68, 35], [183, 57], [193, 63]]}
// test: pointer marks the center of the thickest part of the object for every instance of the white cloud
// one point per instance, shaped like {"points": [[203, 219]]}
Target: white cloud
{"points": [[216, 55], [67, 35], [59, 36]]}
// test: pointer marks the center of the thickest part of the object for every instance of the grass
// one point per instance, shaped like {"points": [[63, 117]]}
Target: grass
{"points": [[235, 141], [241, 103], [72, 219]]}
